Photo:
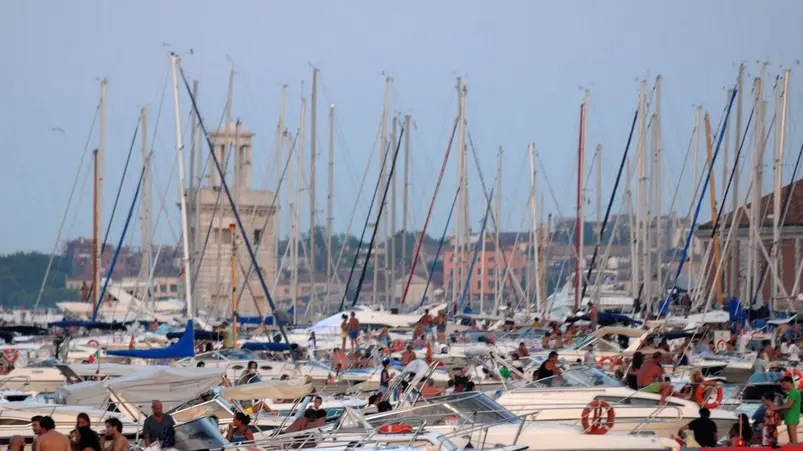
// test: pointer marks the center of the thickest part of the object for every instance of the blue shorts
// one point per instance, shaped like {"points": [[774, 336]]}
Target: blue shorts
{"points": [[353, 334]]}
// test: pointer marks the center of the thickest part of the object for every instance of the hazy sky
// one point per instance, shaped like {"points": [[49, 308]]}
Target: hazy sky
{"points": [[525, 63]]}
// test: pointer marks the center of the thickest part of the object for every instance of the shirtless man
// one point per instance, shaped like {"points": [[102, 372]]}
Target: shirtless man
{"points": [[17, 442], [650, 378], [51, 440], [114, 432]]}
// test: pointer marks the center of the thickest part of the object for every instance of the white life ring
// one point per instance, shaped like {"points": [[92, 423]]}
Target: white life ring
{"points": [[93, 343], [722, 345]]}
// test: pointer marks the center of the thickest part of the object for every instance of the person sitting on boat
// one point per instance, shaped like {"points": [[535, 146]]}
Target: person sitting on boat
{"points": [[430, 390], [517, 365], [522, 350], [382, 405], [704, 429], [408, 355], [741, 433], [114, 436], [384, 337], [547, 372], [440, 325], [635, 366], [250, 374], [690, 390], [650, 378]]}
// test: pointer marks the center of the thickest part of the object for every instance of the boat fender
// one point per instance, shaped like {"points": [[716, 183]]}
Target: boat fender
{"points": [[701, 396], [598, 418], [796, 375], [396, 429]]}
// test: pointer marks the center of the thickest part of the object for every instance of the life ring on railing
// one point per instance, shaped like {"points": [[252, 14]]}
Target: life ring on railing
{"points": [[701, 396], [603, 360], [93, 343], [598, 418], [396, 429], [11, 355], [614, 362], [396, 345], [796, 375], [722, 345]]}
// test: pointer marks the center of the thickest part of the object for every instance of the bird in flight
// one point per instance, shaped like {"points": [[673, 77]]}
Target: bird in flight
{"points": [[58, 129]]}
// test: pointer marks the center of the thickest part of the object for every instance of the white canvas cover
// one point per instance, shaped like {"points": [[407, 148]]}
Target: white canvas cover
{"points": [[172, 386], [268, 389]]}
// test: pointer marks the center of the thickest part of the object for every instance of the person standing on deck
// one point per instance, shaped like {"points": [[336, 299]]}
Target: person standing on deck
{"points": [[158, 427], [114, 432], [51, 439], [344, 331], [792, 407], [354, 330], [594, 314]]}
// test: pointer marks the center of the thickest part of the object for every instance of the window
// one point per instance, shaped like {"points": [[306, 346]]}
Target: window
{"points": [[491, 285], [162, 288], [491, 272], [257, 237], [173, 288]]}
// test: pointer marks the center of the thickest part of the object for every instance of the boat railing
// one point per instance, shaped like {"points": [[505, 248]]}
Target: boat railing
{"points": [[640, 422], [26, 380]]}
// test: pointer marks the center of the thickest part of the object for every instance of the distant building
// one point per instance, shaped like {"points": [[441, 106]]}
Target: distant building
{"points": [[213, 213]]}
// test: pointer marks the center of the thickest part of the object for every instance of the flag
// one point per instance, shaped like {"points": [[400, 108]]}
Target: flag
{"points": [[95, 356]]}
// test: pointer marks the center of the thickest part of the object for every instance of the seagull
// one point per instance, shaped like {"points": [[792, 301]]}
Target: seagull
{"points": [[58, 129], [165, 44]]}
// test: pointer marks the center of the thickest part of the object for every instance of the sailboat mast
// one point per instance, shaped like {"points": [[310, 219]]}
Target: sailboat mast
{"points": [[457, 263], [297, 210], [641, 203], [145, 206], [695, 159], [279, 167], [313, 147], [391, 295], [224, 162], [99, 196], [578, 237], [382, 163], [95, 232], [600, 264], [656, 178], [735, 254], [405, 191], [776, 208], [330, 207], [499, 282], [174, 61], [531, 245]]}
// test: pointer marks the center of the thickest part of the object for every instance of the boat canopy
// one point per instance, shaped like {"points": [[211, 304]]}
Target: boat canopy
{"points": [[184, 347], [100, 325], [199, 335], [268, 320], [172, 386], [266, 346], [269, 389]]}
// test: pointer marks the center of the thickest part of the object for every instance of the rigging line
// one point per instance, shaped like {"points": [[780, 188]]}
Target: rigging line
{"points": [[414, 261], [440, 243], [477, 247], [272, 206], [67, 209], [378, 218], [787, 202], [362, 235], [608, 209], [119, 246], [699, 205], [117, 198], [225, 186], [497, 225]]}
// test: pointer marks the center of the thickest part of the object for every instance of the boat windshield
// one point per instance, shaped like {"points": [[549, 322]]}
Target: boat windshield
{"points": [[198, 434], [451, 410], [599, 344], [765, 377], [237, 354], [580, 376], [526, 333]]}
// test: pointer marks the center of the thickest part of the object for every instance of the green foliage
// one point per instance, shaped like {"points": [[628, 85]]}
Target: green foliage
{"points": [[21, 276]]}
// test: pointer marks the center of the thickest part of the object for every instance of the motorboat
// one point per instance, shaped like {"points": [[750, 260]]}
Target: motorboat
{"points": [[563, 399]]}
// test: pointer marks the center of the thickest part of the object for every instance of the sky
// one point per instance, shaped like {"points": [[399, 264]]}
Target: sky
{"points": [[526, 65]]}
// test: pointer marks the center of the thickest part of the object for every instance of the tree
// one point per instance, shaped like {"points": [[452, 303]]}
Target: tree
{"points": [[21, 276]]}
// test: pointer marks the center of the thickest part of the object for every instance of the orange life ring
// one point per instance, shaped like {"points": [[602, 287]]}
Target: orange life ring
{"points": [[93, 343], [11, 355], [396, 429], [598, 418], [724, 345], [796, 375], [604, 359], [701, 397], [396, 345]]}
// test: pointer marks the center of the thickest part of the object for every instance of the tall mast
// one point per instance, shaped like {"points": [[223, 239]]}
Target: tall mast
{"points": [[466, 249], [279, 167], [641, 199], [531, 245], [735, 261], [600, 264], [758, 163], [224, 162], [579, 228], [776, 209], [145, 205], [382, 163], [405, 190], [391, 295], [195, 184], [174, 60], [656, 176], [297, 211], [330, 207], [499, 281], [695, 159], [95, 232], [727, 261], [713, 197], [460, 224], [312, 166], [99, 202]]}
